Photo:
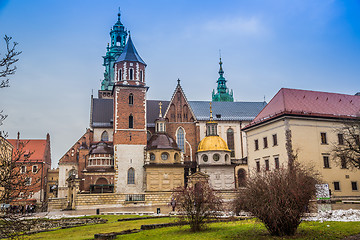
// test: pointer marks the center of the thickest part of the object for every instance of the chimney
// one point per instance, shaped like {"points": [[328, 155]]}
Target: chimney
{"points": [[18, 141]]}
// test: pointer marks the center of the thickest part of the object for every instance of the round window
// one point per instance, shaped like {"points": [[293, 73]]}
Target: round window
{"points": [[216, 157], [164, 156], [205, 158], [152, 156]]}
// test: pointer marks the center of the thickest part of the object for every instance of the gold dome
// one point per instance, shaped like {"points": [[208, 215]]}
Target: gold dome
{"points": [[212, 143]]}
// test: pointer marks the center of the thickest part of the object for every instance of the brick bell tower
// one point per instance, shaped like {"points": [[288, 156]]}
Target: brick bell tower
{"points": [[130, 136]]}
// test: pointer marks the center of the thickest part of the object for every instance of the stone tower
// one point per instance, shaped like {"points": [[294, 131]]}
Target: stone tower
{"points": [[223, 94], [118, 36], [130, 136]]}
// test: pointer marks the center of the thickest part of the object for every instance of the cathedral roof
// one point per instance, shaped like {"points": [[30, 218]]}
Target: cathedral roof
{"points": [[129, 53], [231, 111], [102, 111]]}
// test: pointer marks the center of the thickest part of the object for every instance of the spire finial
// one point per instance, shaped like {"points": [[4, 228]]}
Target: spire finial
{"points": [[211, 116], [160, 106], [119, 14], [178, 81]]}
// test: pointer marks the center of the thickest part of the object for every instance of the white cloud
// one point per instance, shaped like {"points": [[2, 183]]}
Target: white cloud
{"points": [[237, 25]]}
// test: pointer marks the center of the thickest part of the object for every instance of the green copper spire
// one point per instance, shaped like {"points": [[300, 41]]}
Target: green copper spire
{"points": [[118, 35], [222, 94]]}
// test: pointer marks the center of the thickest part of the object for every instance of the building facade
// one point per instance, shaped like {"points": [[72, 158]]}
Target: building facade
{"points": [[307, 125]]}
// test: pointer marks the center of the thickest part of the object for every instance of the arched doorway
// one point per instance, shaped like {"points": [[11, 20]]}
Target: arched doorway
{"points": [[241, 175], [101, 186]]}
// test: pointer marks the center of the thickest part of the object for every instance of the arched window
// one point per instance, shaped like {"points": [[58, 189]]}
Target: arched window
{"points": [[180, 139], [131, 99], [131, 73], [120, 74], [131, 176], [118, 41], [131, 121], [104, 136], [230, 141]]}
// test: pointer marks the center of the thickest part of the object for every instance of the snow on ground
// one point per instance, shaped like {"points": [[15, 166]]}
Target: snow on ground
{"points": [[336, 215]]}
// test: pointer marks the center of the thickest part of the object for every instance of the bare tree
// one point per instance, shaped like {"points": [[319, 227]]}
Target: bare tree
{"points": [[347, 151], [197, 203], [7, 66], [278, 198]]}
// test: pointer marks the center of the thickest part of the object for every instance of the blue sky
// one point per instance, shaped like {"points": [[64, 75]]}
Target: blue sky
{"points": [[265, 45]]}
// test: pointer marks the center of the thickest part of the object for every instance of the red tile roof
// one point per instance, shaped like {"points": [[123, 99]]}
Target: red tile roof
{"points": [[36, 147], [313, 103]]}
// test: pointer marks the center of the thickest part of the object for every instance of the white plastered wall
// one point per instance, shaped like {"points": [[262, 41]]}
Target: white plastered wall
{"points": [[126, 157]]}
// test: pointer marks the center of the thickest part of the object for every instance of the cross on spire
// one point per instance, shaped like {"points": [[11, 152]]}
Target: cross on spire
{"points": [[160, 106]]}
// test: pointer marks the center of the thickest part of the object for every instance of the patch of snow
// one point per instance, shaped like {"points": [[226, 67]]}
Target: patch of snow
{"points": [[350, 215]]}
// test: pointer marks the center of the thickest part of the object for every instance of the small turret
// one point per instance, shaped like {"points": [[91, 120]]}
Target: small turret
{"points": [[118, 35], [223, 94], [129, 67]]}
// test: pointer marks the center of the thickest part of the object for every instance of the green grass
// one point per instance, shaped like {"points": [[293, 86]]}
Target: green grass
{"points": [[87, 232], [247, 229]]}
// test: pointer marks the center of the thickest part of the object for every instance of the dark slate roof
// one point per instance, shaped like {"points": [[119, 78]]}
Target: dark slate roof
{"points": [[231, 111], [162, 141], [129, 53], [102, 113], [152, 111]]}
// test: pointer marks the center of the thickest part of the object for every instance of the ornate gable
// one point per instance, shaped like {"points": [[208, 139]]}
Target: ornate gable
{"points": [[179, 109]]}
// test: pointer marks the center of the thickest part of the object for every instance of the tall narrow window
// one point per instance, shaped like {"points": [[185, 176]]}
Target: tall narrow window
{"points": [[337, 186], [256, 144], [104, 136], [354, 186], [267, 165], [131, 99], [343, 162], [357, 139], [118, 41], [341, 139], [265, 142], [326, 162], [120, 75], [323, 138], [230, 141], [131, 73], [277, 163], [180, 139], [274, 139], [141, 75], [131, 121], [131, 176], [258, 166]]}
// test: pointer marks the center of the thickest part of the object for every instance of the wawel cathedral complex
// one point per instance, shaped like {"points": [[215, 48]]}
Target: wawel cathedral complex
{"points": [[139, 150], [136, 145]]}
